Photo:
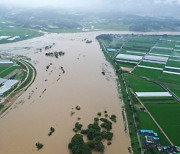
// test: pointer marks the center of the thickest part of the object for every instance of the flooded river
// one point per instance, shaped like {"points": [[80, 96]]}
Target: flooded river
{"points": [[54, 95]]}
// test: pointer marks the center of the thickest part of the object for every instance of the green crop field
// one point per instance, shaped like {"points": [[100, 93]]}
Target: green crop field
{"points": [[166, 44], [151, 64], [173, 63], [23, 32], [137, 46], [146, 122], [168, 116], [2, 68], [151, 39], [142, 85], [32, 71], [174, 87], [166, 110], [149, 73], [162, 51], [8, 71], [170, 78], [159, 100], [172, 70], [121, 64]]}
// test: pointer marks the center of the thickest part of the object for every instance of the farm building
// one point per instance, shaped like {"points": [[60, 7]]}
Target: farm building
{"points": [[153, 94], [156, 59], [175, 68], [155, 68], [125, 61], [13, 38], [112, 50], [2, 80], [136, 52], [129, 57], [5, 62], [7, 85], [163, 48], [170, 72], [146, 131], [4, 37]]}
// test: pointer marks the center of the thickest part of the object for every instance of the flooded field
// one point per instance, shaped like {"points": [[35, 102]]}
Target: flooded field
{"points": [[53, 96]]}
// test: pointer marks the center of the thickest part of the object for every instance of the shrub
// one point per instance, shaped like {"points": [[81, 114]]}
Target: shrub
{"points": [[99, 114], [96, 119], [106, 115], [113, 118], [78, 126], [78, 146], [52, 130], [107, 135], [39, 146], [98, 146], [109, 143], [84, 132]]}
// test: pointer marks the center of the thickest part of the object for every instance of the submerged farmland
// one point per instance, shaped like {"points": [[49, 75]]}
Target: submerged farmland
{"points": [[67, 89]]}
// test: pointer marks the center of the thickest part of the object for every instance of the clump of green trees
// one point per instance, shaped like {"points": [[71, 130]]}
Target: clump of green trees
{"points": [[96, 133], [113, 118], [39, 146], [52, 130], [78, 146]]}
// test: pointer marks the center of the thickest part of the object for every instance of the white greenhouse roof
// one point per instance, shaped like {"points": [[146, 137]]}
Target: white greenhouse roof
{"points": [[112, 50], [156, 54], [125, 61], [2, 80], [153, 94], [4, 37], [176, 68], [3, 61], [136, 52], [163, 48], [7, 85], [129, 57], [170, 72], [156, 58]]}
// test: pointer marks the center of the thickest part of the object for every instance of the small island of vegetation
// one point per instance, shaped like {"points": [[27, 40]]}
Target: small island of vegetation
{"points": [[96, 134]]}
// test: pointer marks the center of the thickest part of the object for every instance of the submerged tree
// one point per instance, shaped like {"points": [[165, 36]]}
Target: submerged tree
{"points": [[39, 146]]}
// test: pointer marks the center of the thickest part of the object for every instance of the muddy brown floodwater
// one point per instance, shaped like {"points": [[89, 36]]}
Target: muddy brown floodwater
{"points": [[50, 99]]}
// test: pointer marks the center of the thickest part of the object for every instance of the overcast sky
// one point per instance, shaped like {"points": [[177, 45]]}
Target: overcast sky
{"points": [[132, 6]]}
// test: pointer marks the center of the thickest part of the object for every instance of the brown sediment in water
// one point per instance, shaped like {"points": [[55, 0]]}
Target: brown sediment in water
{"points": [[54, 94]]}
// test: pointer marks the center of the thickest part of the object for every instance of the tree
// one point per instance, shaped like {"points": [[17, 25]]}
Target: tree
{"points": [[98, 146], [52, 130], [78, 146], [99, 114], [78, 126], [107, 135], [76, 140], [39, 146], [113, 118]]}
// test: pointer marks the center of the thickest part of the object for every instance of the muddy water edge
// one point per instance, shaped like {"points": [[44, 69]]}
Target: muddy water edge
{"points": [[54, 95]]}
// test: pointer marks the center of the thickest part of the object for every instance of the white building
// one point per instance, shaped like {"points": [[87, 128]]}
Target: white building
{"points": [[7, 85]]}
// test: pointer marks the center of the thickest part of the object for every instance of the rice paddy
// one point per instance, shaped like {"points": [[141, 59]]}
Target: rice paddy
{"points": [[158, 70]]}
